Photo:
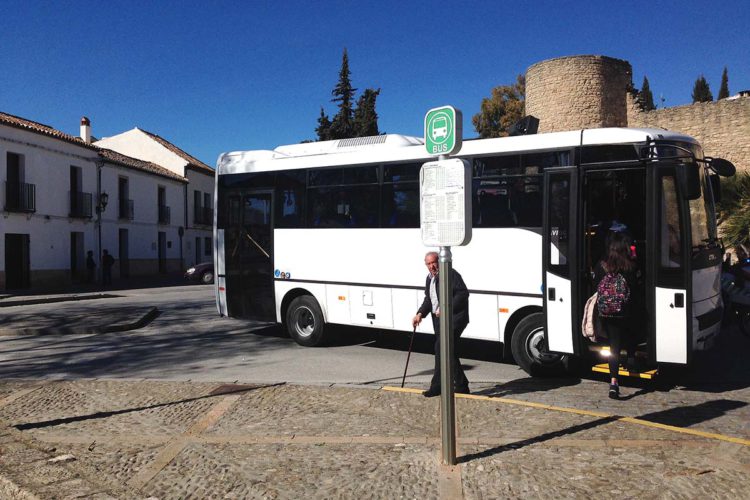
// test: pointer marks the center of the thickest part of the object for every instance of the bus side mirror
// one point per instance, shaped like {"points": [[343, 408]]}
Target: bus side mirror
{"points": [[715, 182], [690, 181], [724, 168]]}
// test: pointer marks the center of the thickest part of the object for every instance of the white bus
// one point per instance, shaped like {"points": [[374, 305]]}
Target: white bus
{"points": [[328, 233]]}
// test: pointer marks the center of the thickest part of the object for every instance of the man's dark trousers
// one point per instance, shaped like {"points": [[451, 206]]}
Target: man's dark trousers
{"points": [[460, 382]]}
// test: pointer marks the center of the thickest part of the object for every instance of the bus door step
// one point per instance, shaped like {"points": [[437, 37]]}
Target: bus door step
{"points": [[604, 368]]}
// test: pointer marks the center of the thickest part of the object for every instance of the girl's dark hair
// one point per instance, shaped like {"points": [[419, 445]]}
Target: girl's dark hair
{"points": [[618, 258]]}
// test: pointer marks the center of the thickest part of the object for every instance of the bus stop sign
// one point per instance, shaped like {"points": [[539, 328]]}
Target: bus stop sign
{"points": [[443, 129]]}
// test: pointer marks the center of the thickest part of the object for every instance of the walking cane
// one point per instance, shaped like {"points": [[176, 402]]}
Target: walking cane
{"points": [[408, 356]]}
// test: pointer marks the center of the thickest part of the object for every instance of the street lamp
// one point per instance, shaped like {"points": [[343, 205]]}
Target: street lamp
{"points": [[102, 205]]}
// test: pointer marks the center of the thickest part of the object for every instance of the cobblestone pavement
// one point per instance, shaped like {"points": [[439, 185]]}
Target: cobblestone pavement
{"points": [[180, 440]]}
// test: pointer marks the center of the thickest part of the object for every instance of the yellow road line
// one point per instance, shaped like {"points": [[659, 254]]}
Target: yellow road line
{"points": [[631, 420]]}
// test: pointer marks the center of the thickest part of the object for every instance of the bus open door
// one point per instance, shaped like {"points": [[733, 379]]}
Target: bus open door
{"points": [[668, 289], [560, 242]]}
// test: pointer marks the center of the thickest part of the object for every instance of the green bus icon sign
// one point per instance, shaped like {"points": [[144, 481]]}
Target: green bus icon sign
{"points": [[443, 130]]}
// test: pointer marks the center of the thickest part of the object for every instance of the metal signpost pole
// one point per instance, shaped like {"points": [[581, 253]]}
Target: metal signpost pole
{"points": [[445, 210], [447, 401]]}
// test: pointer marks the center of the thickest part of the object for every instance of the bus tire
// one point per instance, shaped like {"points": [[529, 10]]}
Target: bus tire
{"points": [[529, 348], [304, 321]]}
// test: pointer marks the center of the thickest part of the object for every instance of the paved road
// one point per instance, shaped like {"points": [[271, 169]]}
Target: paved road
{"points": [[102, 434], [189, 341]]}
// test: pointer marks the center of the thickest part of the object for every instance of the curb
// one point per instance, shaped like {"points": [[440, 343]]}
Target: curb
{"points": [[141, 320], [14, 302]]}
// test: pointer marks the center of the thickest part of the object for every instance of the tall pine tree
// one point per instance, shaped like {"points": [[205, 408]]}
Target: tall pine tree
{"points": [[365, 116], [724, 89], [701, 91], [349, 122], [645, 96], [342, 125]]}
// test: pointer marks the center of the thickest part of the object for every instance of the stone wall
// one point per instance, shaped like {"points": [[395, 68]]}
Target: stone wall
{"points": [[577, 92], [722, 127]]}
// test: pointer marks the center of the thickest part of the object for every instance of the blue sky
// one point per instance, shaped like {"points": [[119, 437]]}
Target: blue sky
{"points": [[215, 76]]}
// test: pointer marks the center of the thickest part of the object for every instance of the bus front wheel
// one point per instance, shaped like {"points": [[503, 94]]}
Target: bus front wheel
{"points": [[304, 321], [529, 347]]}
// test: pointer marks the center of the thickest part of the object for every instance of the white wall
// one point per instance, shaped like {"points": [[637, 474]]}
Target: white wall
{"points": [[138, 144], [144, 228], [46, 164]]}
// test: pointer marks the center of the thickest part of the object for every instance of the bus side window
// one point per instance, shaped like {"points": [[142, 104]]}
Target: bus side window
{"points": [[669, 250], [401, 205], [290, 199]]}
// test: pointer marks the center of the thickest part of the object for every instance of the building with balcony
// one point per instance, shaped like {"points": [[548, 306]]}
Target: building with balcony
{"points": [[198, 218], [62, 196]]}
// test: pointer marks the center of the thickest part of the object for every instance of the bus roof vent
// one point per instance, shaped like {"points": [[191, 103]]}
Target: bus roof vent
{"points": [[361, 141], [348, 145]]}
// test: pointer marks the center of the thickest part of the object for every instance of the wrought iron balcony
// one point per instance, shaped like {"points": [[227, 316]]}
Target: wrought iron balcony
{"points": [[80, 204], [126, 209], [20, 197], [164, 215], [203, 216]]}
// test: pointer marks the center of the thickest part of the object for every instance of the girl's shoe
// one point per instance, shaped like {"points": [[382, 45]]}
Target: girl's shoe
{"points": [[614, 391]]}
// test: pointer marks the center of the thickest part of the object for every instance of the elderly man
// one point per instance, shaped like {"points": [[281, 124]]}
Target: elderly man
{"points": [[431, 305]]}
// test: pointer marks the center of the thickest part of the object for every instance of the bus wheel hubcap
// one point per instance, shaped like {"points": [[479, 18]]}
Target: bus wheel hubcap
{"points": [[536, 346], [304, 321]]}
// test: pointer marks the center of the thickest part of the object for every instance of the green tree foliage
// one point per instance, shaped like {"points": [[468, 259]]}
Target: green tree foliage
{"points": [[734, 210], [342, 125], [365, 116], [724, 89], [324, 126], [348, 121], [701, 91], [645, 97], [501, 110]]}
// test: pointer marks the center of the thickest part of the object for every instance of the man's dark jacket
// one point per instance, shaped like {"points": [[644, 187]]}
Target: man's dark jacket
{"points": [[460, 302]]}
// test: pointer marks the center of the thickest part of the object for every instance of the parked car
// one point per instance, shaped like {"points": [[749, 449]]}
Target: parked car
{"points": [[203, 273]]}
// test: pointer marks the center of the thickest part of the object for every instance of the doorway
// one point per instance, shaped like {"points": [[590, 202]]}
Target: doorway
{"points": [[17, 261], [124, 253], [77, 256], [615, 201], [162, 252]]}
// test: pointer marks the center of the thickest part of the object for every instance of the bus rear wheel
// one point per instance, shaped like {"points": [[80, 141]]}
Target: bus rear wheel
{"points": [[304, 321], [529, 347]]}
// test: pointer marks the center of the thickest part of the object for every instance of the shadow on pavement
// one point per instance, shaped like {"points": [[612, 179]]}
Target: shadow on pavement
{"points": [[537, 439], [686, 416], [528, 385], [105, 414]]}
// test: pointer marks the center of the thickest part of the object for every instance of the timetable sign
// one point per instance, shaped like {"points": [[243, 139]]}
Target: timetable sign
{"points": [[445, 203]]}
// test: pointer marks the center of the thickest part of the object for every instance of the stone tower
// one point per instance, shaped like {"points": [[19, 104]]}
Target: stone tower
{"points": [[575, 92]]}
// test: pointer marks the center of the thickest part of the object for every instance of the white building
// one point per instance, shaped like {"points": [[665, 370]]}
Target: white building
{"points": [[198, 193], [54, 186]]}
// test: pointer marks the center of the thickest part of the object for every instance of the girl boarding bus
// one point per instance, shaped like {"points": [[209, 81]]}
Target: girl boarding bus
{"points": [[322, 233]]}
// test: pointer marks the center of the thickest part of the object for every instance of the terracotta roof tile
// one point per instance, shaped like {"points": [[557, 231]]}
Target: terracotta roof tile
{"points": [[146, 166], [107, 154], [192, 161], [40, 128]]}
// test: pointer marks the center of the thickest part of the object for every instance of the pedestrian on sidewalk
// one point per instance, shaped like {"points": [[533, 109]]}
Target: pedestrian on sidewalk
{"points": [[431, 305], [90, 267], [107, 263]]}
